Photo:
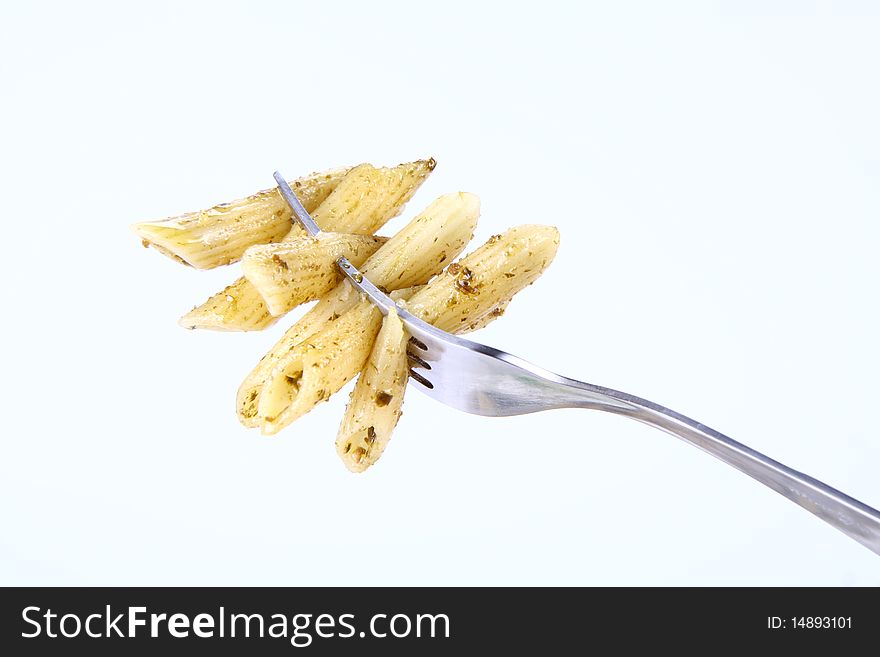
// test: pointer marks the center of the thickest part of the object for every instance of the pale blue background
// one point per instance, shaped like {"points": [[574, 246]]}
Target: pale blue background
{"points": [[713, 169]]}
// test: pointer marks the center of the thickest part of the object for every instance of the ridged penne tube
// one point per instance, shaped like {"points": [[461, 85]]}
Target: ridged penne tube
{"points": [[219, 235], [423, 247], [363, 201], [374, 406], [474, 290], [469, 292], [320, 365], [315, 369], [411, 257], [367, 197], [303, 269], [327, 310]]}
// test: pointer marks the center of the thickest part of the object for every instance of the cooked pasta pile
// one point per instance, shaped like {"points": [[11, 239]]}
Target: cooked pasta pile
{"points": [[343, 335]]}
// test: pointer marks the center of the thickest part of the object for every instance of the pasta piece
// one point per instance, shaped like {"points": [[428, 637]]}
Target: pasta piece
{"points": [[320, 365], [468, 292], [361, 203], [374, 406], [411, 257], [237, 307], [303, 269], [475, 290], [427, 243], [369, 196], [219, 236], [327, 310]]}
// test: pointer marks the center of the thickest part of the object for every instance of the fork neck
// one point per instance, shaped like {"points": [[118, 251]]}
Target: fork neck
{"points": [[850, 516]]}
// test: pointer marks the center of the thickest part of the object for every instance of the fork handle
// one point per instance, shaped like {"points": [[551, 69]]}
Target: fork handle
{"points": [[855, 519]]}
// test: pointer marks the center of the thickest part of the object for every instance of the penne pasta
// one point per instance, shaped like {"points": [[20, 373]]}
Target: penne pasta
{"points": [[374, 406], [303, 269], [320, 365], [327, 310], [411, 257], [219, 235], [476, 290], [367, 197], [237, 307], [316, 368], [467, 293], [361, 203]]}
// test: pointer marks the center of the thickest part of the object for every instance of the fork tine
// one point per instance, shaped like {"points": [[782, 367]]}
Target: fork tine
{"points": [[418, 377], [415, 361], [418, 343]]}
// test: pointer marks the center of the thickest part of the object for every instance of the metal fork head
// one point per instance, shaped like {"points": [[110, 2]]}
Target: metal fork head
{"points": [[479, 379]]}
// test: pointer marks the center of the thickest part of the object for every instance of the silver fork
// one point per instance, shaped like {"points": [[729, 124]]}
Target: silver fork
{"points": [[478, 379]]}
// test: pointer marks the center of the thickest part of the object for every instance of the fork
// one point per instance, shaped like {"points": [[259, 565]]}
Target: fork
{"points": [[482, 380]]}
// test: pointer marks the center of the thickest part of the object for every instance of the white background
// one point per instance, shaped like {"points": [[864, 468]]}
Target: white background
{"points": [[713, 170]]}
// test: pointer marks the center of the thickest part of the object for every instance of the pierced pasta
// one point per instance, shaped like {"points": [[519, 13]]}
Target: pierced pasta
{"points": [[374, 406], [320, 365], [219, 235], [477, 289], [303, 269], [361, 203], [344, 335]]}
